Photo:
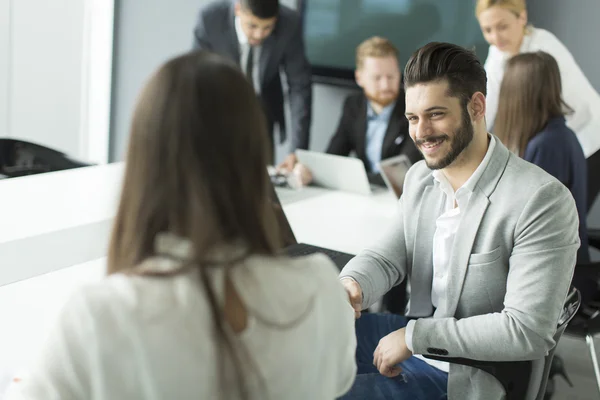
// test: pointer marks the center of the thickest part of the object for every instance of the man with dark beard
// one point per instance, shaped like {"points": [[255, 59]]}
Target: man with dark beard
{"points": [[486, 240], [373, 123]]}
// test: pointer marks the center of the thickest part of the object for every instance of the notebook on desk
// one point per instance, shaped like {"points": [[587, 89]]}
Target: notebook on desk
{"points": [[295, 249]]}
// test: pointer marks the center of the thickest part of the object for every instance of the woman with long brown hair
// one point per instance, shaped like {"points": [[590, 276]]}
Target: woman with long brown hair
{"points": [[505, 26], [531, 123], [199, 303]]}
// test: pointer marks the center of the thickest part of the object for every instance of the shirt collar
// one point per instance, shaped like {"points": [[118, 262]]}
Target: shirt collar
{"points": [[385, 113], [469, 186], [241, 36], [169, 245]]}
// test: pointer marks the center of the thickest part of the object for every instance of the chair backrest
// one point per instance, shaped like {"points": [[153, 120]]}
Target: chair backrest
{"points": [[19, 158], [593, 166], [570, 307], [524, 380]]}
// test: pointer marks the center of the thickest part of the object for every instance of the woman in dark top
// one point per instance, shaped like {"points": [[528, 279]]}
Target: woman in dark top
{"points": [[531, 123]]}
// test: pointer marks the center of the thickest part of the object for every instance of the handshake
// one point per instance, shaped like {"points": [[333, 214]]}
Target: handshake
{"points": [[354, 295]]}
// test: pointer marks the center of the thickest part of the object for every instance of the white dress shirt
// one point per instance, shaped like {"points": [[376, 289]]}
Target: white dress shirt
{"points": [[444, 235], [577, 91], [244, 50]]}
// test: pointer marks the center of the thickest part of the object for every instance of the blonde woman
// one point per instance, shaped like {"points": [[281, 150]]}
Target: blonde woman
{"points": [[505, 27]]}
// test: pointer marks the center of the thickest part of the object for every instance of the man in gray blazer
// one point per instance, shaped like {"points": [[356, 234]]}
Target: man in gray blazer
{"points": [[487, 241], [264, 37]]}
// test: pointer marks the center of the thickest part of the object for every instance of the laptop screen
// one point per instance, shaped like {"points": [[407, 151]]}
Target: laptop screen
{"points": [[287, 234]]}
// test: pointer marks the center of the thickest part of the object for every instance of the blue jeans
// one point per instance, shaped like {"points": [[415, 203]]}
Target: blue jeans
{"points": [[418, 379]]}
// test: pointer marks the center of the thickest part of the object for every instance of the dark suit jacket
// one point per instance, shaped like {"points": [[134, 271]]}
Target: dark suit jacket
{"points": [[557, 151], [215, 31], [351, 133]]}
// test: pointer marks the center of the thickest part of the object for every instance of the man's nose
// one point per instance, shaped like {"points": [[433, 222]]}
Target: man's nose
{"points": [[424, 129]]}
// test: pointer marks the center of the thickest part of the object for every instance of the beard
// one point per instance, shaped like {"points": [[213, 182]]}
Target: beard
{"points": [[463, 136], [382, 100]]}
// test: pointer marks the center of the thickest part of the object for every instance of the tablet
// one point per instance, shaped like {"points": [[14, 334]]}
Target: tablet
{"points": [[393, 170]]}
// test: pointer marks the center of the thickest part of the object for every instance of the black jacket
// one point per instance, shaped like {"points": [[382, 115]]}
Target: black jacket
{"points": [[215, 31], [352, 131]]}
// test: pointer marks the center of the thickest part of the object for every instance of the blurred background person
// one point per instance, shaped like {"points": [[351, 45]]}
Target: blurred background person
{"points": [[531, 123], [373, 124], [505, 28], [263, 36]]}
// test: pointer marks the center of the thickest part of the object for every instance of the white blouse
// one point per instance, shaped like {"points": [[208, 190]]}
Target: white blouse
{"points": [[577, 91], [135, 337]]}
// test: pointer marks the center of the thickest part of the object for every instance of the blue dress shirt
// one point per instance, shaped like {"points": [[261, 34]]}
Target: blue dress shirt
{"points": [[376, 127]]}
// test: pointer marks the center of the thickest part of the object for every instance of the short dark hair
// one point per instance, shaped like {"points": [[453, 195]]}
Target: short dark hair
{"points": [[262, 9], [445, 61]]}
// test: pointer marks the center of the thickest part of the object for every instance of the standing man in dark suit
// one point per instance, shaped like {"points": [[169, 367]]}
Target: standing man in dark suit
{"points": [[264, 37], [373, 123]]}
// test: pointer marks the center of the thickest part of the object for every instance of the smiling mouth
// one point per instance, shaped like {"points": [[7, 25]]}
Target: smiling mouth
{"points": [[431, 145]]}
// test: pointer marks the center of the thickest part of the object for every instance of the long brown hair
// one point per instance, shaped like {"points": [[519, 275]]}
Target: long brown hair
{"points": [[196, 167], [530, 95]]}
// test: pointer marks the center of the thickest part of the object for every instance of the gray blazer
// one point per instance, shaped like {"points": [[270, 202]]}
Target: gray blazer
{"points": [[509, 272], [284, 48]]}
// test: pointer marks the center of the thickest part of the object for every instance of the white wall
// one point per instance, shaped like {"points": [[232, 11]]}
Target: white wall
{"points": [[51, 74], [4, 64]]}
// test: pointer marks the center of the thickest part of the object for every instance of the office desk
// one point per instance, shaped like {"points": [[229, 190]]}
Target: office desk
{"points": [[55, 220], [59, 219], [341, 221], [63, 222]]}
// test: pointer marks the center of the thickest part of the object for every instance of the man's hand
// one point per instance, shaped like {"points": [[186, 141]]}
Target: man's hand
{"points": [[391, 351], [300, 176], [288, 163], [354, 295]]}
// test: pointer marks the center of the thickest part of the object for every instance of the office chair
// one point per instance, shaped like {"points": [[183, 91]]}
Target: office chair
{"points": [[524, 380], [593, 166], [586, 323], [20, 158]]}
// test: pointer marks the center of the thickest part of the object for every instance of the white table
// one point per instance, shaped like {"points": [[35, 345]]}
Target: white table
{"points": [[55, 220], [63, 223], [341, 221]]}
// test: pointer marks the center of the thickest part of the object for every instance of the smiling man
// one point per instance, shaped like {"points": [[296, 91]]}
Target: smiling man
{"points": [[487, 241], [264, 37]]}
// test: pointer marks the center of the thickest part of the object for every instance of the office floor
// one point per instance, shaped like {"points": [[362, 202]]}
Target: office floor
{"points": [[575, 354]]}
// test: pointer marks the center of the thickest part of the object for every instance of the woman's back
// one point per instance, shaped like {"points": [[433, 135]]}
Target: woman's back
{"points": [[577, 91], [140, 337], [557, 151]]}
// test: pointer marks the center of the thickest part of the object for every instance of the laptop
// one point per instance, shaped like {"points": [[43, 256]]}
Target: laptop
{"points": [[393, 170], [295, 249], [336, 172]]}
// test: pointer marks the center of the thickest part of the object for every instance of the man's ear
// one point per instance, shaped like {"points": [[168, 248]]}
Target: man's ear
{"points": [[237, 8], [358, 77], [477, 106]]}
